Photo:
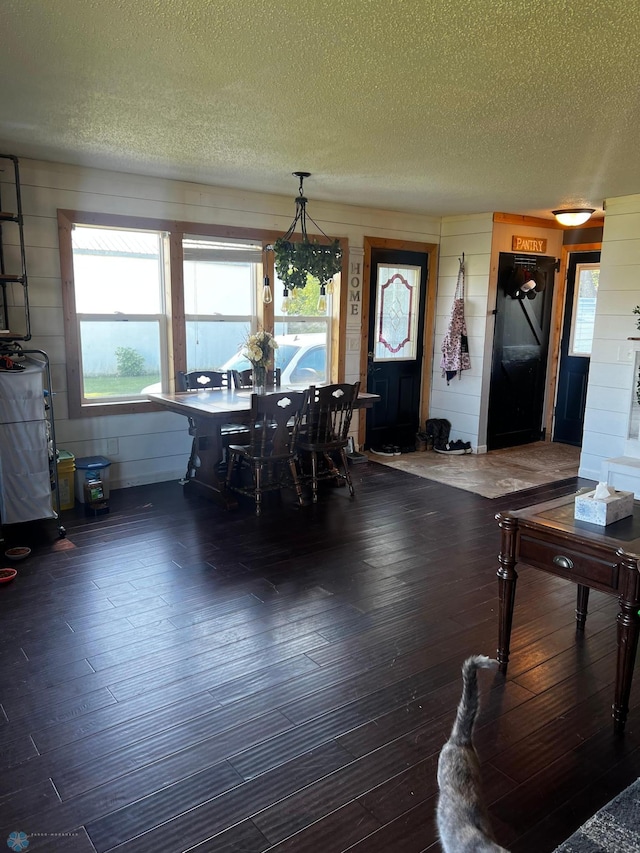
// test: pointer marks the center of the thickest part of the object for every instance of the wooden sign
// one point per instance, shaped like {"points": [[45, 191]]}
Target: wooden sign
{"points": [[528, 244]]}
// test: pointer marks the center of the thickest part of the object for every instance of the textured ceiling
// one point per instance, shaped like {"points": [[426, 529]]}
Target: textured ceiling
{"points": [[435, 106]]}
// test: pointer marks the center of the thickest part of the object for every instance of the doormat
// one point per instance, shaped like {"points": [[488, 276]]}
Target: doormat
{"points": [[492, 474]]}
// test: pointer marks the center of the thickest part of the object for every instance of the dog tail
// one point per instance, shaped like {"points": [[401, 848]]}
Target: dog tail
{"points": [[469, 701]]}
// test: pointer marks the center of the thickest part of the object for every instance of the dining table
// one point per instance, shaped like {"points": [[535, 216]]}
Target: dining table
{"points": [[212, 415]]}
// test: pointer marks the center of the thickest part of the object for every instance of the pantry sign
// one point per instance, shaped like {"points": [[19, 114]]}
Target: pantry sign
{"points": [[528, 244]]}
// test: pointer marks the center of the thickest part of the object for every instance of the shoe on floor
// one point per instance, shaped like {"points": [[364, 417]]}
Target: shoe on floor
{"points": [[454, 448], [460, 445], [385, 450]]}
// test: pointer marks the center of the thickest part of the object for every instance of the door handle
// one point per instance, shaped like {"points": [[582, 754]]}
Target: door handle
{"points": [[563, 562]]}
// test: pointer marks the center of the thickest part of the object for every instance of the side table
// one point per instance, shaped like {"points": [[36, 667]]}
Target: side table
{"points": [[547, 537]]}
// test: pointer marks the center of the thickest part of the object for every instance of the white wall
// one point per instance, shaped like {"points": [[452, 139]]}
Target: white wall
{"points": [[460, 402], [155, 447], [611, 379], [464, 402]]}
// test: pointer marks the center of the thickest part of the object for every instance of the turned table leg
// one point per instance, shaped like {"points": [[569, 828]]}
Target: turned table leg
{"points": [[209, 479], [581, 607], [507, 578], [628, 629]]}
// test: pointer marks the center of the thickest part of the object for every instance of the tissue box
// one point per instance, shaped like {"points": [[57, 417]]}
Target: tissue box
{"points": [[603, 511]]}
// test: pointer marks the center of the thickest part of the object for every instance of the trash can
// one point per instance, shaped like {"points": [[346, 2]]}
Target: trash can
{"points": [[91, 468], [66, 480]]}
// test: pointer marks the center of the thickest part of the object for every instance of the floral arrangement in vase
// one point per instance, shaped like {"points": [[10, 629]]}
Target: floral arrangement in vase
{"points": [[259, 348]]}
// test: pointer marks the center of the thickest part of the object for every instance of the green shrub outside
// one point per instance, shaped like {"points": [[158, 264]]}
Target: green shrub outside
{"points": [[129, 362]]}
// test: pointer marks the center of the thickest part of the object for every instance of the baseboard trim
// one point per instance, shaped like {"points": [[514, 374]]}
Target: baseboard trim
{"points": [[148, 479]]}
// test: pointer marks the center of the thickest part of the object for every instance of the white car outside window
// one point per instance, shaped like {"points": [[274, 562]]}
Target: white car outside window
{"points": [[302, 360]]}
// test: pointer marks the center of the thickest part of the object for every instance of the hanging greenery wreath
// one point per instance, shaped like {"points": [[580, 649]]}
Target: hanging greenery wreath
{"points": [[294, 260]]}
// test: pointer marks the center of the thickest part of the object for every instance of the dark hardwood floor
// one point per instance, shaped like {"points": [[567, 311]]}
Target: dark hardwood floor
{"points": [[176, 677]]}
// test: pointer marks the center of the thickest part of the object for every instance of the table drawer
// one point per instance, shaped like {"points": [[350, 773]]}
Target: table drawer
{"points": [[586, 569]]}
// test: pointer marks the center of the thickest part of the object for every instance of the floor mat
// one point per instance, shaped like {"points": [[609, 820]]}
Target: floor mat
{"points": [[493, 474]]}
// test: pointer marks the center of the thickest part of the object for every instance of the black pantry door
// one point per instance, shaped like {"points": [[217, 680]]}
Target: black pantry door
{"points": [[575, 352], [397, 292], [520, 349]]}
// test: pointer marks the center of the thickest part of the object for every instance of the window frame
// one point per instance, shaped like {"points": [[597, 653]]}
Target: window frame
{"points": [[78, 407], [156, 319], [174, 301], [249, 321], [575, 310], [281, 319]]}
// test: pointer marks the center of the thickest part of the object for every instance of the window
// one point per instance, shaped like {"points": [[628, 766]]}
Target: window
{"points": [[144, 299], [119, 310], [397, 298], [302, 328], [585, 297], [220, 286]]}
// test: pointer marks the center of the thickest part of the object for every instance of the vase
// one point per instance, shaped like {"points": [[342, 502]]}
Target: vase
{"points": [[259, 379]]}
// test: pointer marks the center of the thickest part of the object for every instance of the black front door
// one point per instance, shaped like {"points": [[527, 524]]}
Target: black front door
{"points": [[520, 347], [575, 349], [398, 284]]}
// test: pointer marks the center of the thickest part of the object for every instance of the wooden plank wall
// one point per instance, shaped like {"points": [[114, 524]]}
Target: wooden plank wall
{"points": [[152, 448], [611, 379]]}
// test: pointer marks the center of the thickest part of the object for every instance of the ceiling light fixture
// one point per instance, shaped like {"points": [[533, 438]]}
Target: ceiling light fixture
{"points": [[573, 216], [297, 259]]}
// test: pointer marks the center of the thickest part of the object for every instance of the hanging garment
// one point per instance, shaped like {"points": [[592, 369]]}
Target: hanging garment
{"points": [[455, 347]]}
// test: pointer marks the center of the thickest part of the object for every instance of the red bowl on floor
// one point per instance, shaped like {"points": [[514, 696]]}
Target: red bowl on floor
{"points": [[7, 575]]}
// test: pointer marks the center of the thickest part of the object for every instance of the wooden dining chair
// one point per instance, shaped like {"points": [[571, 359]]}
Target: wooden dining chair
{"points": [[199, 380], [273, 430], [243, 379], [324, 433], [202, 380]]}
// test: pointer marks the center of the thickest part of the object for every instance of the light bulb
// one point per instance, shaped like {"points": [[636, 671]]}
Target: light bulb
{"points": [[322, 303], [266, 294], [285, 301]]}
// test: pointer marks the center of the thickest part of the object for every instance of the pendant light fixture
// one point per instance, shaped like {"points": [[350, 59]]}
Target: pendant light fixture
{"points": [[295, 259], [267, 296], [572, 216]]}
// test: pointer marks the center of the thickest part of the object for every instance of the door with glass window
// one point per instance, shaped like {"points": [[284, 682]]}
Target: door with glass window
{"points": [[583, 275], [398, 284]]}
